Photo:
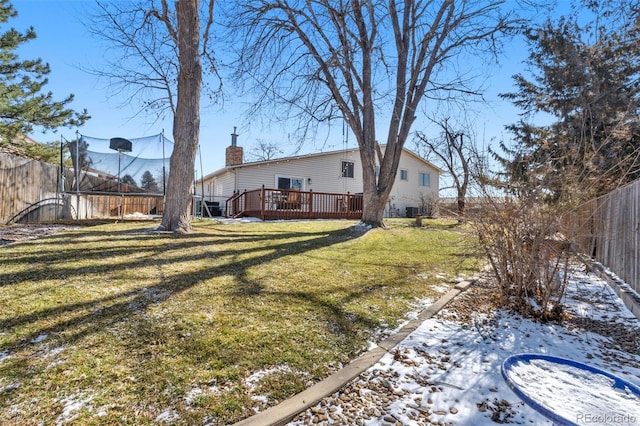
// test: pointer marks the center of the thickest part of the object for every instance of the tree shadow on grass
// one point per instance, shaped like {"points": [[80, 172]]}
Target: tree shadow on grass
{"points": [[76, 320], [121, 317]]}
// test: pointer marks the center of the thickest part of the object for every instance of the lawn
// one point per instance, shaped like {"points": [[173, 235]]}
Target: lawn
{"points": [[118, 324]]}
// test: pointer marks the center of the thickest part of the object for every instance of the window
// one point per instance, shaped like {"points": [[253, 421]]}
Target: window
{"points": [[404, 175], [347, 169], [287, 182], [424, 179]]}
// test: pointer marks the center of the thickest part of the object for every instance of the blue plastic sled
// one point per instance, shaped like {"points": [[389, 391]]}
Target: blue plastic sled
{"points": [[509, 373]]}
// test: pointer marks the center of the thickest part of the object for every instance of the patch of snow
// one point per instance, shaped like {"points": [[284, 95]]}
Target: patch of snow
{"points": [[4, 354], [197, 391], [385, 330], [450, 371], [167, 416], [9, 387], [138, 215], [440, 288], [54, 352], [583, 391], [40, 338], [262, 399], [48, 353], [72, 405], [253, 379], [418, 307], [361, 226], [250, 219], [53, 364], [193, 394], [238, 220]]}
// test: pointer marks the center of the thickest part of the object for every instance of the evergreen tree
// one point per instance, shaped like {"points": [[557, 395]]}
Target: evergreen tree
{"points": [[587, 79], [129, 180], [148, 182], [48, 152], [24, 105]]}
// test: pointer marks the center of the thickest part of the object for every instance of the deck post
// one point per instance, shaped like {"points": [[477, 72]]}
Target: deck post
{"points": [[262, 201]]}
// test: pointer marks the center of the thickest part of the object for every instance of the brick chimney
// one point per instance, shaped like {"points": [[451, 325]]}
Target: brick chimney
{"points": [[234, 152]]}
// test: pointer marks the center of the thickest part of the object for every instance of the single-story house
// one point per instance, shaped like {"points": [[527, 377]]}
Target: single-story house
{"points": [[335, 172]]}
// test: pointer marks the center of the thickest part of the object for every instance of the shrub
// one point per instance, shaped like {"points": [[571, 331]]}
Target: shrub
{"points": [[526, 252]]}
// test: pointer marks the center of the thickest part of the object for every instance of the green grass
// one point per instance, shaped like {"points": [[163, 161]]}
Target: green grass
{"points": [[116, 324]]}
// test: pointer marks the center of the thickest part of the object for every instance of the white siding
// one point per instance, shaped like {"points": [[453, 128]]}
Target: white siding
{"points": [[409, 193], [323, 173], [224, 185]]}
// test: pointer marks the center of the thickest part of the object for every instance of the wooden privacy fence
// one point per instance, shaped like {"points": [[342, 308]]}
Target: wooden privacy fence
{"points": [[96, 206], [25, 183], [608, 229], [31, 191]]}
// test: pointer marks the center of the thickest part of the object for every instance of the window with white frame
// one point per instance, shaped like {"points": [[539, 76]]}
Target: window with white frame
{"points": [[347, 169], [404, 174], [424, 179]]}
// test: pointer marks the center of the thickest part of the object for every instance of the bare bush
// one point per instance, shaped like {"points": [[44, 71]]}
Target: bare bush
{"points": [[527, 253], [428, 205]]}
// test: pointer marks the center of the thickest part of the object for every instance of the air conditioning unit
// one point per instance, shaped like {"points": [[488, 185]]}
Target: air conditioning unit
{"points": [[413, 211]]}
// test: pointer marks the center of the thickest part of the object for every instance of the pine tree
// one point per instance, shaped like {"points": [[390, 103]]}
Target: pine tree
{"points": [[129, 180], [148, 182], [23, 105], [587, 80]]}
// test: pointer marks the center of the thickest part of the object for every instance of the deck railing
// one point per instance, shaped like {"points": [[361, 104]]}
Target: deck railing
{"points": [[271, 204]]}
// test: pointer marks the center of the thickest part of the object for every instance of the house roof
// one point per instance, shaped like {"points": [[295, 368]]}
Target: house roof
{"points": [[15, 146], [298, 157]]}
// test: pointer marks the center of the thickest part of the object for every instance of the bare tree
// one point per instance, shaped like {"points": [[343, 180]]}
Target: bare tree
{"points": [[157, 63], [454, 151], [364, 62], [264, 151]]}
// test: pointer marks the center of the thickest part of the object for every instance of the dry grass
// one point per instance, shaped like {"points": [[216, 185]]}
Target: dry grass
{"points": [[118, 324]]}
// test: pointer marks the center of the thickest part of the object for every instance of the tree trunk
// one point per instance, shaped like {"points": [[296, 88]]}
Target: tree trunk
{"points": [[186, 122], [373, 209], [376, 189]]}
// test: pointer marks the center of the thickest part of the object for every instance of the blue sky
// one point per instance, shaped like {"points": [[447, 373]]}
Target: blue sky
{"points": [[65, 43]]}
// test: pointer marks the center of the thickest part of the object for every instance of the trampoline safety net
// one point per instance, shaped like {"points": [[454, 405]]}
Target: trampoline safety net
{"points": [[99, 168]]}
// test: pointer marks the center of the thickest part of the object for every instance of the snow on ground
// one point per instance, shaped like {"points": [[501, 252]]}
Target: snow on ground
{"points": [[71, 406], [448, 371], [541, 378]]}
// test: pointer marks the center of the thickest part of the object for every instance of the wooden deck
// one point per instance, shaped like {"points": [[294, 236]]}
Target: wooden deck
{"points": [[273, 204]]}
